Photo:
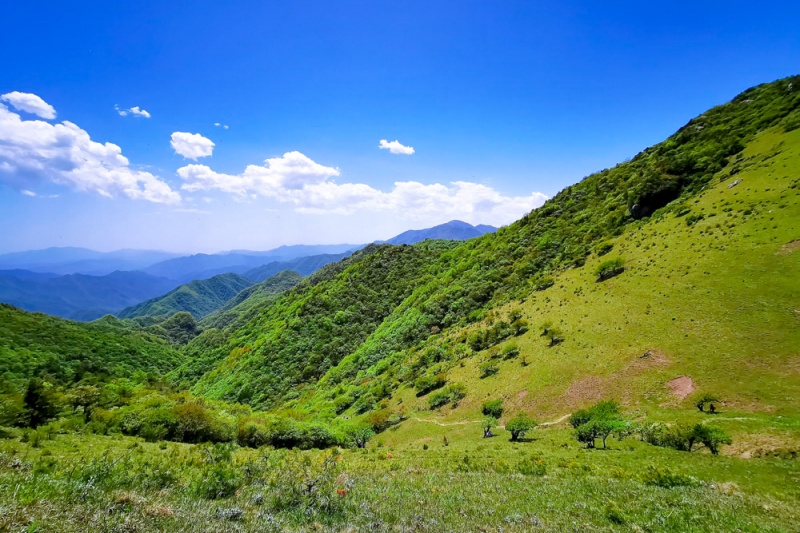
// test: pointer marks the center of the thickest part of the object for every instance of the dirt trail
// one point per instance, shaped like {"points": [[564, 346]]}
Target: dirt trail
{"points": [[463, 422]]}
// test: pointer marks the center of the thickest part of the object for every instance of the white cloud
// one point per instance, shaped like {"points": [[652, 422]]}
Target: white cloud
{"points": [[395, 147], [220, 125], [34, 151], [26, 192], [135, 111], [297, 180], [191, 145], [30, 103]]}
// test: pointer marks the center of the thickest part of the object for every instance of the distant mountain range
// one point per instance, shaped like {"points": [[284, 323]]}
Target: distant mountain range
{"points": [[202, 266], [83, 284], [78, 296], [82, 260]]}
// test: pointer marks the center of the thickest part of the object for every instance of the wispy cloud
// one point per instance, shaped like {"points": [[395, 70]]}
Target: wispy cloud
{"points": [[34, 151], [395, 147], [191, 145], [297, 180], [29, 103], [220, 125], [133, 111]]}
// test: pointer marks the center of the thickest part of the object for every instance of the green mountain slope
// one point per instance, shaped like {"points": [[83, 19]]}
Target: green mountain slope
{"points": [[199, 297], [36, 345], [244, 306], [303, 265], [308, 349], [304, 333]]}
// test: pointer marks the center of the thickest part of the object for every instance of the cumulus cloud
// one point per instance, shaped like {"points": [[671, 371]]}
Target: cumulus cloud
{"points": [[34, 151], [30, 103], [191, 145], [395, 147], [134, 111], [297, 180]]}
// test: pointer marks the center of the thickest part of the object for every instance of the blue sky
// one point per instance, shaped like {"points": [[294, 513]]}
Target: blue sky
{"points": [[503, 103]]}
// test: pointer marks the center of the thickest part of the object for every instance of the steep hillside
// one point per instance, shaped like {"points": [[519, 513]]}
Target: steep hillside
{"points": [[36, 345], [425, 329], [302, 265], [78, 296], [455, 230], [304, 333], [244, 306], [199, 297]]}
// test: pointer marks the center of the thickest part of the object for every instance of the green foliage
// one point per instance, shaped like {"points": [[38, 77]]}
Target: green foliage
{"points": [[425, 384], [493, 408], [489, 368], [666, 478], [247, 304], [532, 466], [703, 398], [599, 421], [198, 297], [36, 345], [519, 425], [450, 394], [610, 268], [38, 403]]}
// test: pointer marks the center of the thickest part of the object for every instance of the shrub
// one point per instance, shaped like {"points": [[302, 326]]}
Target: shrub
{"points": [[519, 425], [439, 399], [358, 436], [603, 248], [379, 420], [609, 269], [451, 394], [665, 478], [296, 482], [425, 384], [488, 368], [598, 422], [532, 466], [703, 398], [510, 351], [493, 408]]}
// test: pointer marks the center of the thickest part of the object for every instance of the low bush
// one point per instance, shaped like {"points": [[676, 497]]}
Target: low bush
{"points": [[493, 408], [609, 269]]}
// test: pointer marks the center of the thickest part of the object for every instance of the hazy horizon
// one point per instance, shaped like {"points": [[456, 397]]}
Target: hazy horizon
{"points": [[317, 123]]}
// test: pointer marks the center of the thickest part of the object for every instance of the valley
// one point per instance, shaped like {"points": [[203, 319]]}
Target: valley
{"points": [[556, 375]]}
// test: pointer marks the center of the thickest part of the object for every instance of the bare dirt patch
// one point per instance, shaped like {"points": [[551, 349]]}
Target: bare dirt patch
{"points": [[790, 247], [522, 394], [586, 390], [681, 387]]}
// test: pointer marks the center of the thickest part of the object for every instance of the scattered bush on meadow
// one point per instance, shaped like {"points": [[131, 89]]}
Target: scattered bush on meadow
{"points": [[598, 422], [610, 268], [519, 425], [703, 398], [493, 408], [489, 368]]}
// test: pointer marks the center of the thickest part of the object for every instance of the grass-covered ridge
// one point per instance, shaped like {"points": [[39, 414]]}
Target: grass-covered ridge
{"points": [[459, 285]]}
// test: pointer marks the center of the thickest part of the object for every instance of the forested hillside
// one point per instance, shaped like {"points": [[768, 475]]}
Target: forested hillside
{"points": [[363, 356], [37, 345], [199, 297]]}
